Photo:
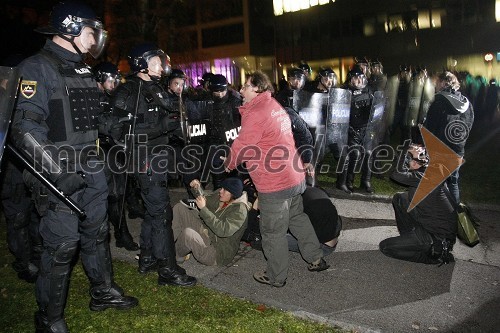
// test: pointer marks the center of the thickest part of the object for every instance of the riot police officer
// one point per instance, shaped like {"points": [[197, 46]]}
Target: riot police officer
{"points": [[55, 123], [23, 237], [108, 78], [327, 79], [225, 124], [378, 79], [144, 99], [296, 80], [361, 103]]}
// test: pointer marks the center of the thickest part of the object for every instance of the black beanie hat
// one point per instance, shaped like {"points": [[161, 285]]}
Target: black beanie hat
{"points": [[233, 185]]}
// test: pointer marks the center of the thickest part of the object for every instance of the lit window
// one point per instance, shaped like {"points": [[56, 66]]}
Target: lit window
{"points": [[424, 21], [497, 10], [287, 6], [436, 17]]}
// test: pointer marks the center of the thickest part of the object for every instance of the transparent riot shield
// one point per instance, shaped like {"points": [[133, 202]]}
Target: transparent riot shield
{"points": [[391, 96], [375, 127], [9, 82], [312, 107], [309, 106], [337, 124], [414, 99], [427, 98]]}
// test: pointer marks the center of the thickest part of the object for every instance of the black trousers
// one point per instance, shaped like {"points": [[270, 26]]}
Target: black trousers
{"points": [[414, 243]]}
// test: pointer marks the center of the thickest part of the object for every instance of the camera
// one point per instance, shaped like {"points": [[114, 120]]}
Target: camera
{"points": [[197, 191]]}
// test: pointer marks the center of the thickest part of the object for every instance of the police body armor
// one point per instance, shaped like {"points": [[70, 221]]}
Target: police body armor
{"points": [[198, 124], [74, 107], [226, 123], [337, 124], [376, 127], [155, 115]]}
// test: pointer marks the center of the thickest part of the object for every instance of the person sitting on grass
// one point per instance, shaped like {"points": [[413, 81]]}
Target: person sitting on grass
{"points": [[212, 230]]}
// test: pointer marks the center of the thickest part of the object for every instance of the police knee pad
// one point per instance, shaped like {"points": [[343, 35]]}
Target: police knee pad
{"points": [[65, 253], [102, 234]]}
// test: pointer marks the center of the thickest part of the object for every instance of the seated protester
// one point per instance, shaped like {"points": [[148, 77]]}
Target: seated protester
{"points": [[212, 232], [323, 215], [324, 218], [428, 231]]}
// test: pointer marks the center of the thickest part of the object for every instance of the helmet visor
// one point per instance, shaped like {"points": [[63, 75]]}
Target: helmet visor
{"points": [[101, 38], [158, 62]]}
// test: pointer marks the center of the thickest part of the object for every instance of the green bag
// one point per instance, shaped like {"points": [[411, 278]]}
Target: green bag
{"points": [[467, 232]]}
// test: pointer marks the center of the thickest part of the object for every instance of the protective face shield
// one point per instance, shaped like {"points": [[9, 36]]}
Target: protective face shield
{"points": [[377, 68], [328, 78], [158, 65], [296, 78], [358, 82]]}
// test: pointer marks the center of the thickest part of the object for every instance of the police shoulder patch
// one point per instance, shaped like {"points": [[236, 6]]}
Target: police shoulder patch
{"points": [[28, 88]]}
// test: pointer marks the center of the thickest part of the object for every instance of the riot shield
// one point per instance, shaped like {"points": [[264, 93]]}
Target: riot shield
{"points": [[198, 121], [414, 99], [9, 82], [309, 106], [375, 127], [391, 96], [337, 124], [312, 107], [427, 98]]}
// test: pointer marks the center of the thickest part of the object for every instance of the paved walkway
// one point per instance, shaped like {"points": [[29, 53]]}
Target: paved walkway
{"points": [[366, 291]]}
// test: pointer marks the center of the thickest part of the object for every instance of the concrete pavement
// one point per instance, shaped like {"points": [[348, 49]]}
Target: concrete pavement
{"points": [[365, 291]]}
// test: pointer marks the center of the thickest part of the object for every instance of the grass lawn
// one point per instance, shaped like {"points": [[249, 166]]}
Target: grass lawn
{"points": [[161, 309]]}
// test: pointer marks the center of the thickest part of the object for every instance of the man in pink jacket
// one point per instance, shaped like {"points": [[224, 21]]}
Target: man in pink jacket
{"points": [[265, 143]]}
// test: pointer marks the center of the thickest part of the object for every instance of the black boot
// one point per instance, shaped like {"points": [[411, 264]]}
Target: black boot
{"points": [[350, 181], [147, 263], [341, 182], [367, 186], [103, 297], [42, 324], [122, 235], [172, 274]]}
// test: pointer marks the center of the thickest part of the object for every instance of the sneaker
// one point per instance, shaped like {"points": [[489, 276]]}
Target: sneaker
{"points": [[181, 260], [318, 265], [189, 203], [262, 277]]}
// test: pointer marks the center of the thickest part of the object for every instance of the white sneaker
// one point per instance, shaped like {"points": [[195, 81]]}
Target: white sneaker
{"points": [[189, 203]]}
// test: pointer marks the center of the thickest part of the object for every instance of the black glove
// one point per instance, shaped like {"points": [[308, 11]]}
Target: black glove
{"points": [[69, 183]]}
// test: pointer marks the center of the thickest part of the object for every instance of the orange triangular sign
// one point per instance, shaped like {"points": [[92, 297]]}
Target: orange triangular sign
{"points": [[442, 162]]}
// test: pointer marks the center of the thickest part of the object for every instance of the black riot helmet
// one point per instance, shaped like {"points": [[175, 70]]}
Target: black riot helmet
{"points": [[68, 18], [377, 67], [296, 78], [326, 74], [356, 78], [205, 79], [106, 71], [305, 68], [218, 82], [140, 58], [177, 74]]}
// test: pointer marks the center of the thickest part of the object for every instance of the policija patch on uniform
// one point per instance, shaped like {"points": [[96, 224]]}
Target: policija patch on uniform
{"points": [[28, 88]]}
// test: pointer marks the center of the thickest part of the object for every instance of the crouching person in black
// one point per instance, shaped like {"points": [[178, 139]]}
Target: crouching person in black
{"points": [[428, 231]]}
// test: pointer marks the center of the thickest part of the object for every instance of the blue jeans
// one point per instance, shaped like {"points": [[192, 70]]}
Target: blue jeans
{"points": [[452, 183]]}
